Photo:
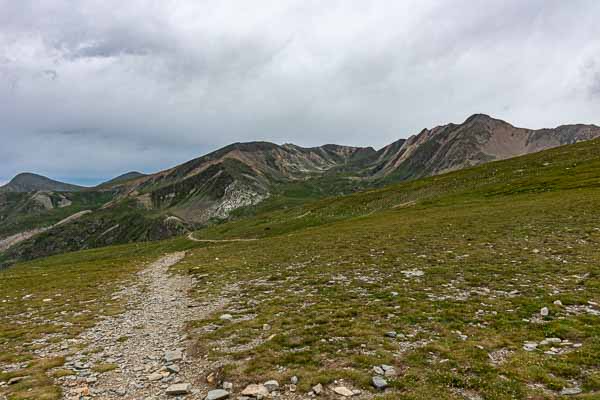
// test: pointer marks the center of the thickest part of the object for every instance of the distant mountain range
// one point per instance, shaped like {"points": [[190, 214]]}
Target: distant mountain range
{"points": [[28, 182], [243, 175]]}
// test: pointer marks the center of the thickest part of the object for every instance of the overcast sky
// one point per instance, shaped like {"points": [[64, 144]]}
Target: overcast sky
{"points": [[91, 89]]}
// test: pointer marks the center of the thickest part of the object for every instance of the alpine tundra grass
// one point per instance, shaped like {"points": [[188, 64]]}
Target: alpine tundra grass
{"points": [[482, 283]]}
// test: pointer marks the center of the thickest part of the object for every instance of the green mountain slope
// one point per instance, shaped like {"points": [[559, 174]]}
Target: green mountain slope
{"points": [[458, 266], [21, 212]]}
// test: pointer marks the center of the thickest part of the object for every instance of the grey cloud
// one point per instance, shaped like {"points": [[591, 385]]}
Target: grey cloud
{"points": [[592, 76], [50, 74], [92, 89]]}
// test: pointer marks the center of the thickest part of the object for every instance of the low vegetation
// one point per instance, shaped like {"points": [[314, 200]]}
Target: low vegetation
{"points": [[479, 284], [458, 266], [19, 212]]}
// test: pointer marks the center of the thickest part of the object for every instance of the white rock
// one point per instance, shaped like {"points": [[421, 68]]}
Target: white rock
{"points": [[530, 346], [379, 382], [172, 356], [155, 377], [343, 391], [226, 317], [255, 391], [550, 341], [570, 391], [388, 370], [413, 273], [318, 389], [271, 385], [217, 394]]}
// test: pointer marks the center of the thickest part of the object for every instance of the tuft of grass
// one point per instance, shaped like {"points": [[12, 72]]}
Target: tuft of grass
{"points": [[102, 368]]}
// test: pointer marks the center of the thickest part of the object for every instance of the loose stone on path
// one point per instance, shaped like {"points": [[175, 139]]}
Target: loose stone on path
{"points": [[144, 346]]}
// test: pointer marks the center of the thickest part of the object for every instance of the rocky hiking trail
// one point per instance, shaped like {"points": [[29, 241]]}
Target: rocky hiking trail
{"points": [[141, 354]]}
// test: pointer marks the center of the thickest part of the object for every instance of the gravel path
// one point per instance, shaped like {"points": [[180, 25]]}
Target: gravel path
{"points": [[146, 344]]}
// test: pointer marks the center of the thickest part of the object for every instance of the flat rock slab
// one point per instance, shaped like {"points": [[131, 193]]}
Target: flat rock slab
{"points": [[179, 388], [172, 356], [343, 391], [255, 391], [570, 391]]}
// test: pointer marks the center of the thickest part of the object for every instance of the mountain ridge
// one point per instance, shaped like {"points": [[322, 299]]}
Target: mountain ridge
{"points": [[480, 135], [242, 179]]}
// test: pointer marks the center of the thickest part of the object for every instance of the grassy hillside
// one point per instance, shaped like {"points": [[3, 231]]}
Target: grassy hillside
{"points": [[458, 266], [124, 223], [19, 212]]}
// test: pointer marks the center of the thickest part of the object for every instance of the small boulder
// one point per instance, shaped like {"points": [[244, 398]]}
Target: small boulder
{"points": [[317, 389], [343, 391], [156, 376], [179, 389], [271, 385], [570, 391], [548, 341], [530, 346], [388, 370], [379, 382], [173, 356], [226, 317], [255, 391]]}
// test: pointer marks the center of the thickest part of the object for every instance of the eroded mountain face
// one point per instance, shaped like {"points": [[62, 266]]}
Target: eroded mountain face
{"points": [[244, 174], [236, 176], [478, 140]]}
